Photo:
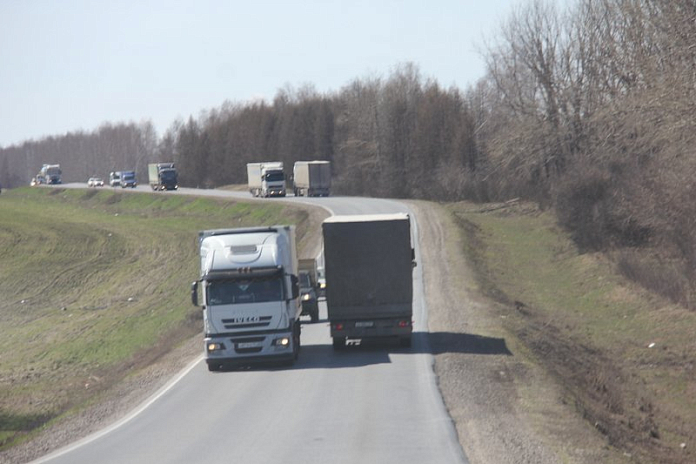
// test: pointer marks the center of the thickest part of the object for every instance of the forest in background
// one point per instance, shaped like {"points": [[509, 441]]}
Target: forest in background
{"points": [[587, 111]]}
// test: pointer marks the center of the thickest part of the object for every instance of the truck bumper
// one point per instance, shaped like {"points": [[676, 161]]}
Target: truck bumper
{"points": [[372, 328], [249, 348]]}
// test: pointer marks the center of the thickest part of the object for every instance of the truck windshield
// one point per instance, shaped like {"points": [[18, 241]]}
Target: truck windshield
{"points": [[305, 281], [244, 291], [275, 176]]}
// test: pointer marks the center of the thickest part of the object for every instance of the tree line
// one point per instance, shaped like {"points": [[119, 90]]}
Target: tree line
{"points": [[587, 111]]}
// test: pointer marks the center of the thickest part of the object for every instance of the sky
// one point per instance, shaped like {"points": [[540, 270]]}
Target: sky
{"points": [[69, 65]]}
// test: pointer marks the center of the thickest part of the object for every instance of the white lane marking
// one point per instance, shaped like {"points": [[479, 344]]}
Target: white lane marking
{"points": [[147, 403]]}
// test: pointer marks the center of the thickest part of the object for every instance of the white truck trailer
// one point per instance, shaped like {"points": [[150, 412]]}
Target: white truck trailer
{"points": [[312, 178], [266, 179], [51, 174], [249, 292], [163, 176], [369, 262]]}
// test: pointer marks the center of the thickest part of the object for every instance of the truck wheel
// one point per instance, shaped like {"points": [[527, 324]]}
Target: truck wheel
{"points": [[315, 315], [339, 343]]}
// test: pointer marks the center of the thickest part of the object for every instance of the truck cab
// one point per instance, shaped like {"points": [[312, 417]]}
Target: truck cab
{"points": [[115, 178], [249, 293], [128, 179]]}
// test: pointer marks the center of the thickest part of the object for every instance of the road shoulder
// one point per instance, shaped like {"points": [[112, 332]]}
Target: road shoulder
{"points": [[505, 407]]}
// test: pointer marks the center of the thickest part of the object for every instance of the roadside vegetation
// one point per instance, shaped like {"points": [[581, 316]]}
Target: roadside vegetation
{"points": [[624, 356], [95, 285], [586, 112]]}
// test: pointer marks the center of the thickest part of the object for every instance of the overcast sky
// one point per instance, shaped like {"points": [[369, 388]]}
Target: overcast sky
{"points": [[67, 65]]}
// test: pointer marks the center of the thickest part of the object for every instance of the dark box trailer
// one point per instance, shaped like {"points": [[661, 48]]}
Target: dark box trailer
{"points": [[369, 262]]}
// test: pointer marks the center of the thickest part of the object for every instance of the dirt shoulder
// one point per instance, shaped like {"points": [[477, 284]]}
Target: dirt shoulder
{"points": [[505, 407]]}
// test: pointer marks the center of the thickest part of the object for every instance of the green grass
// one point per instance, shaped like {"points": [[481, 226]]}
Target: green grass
{"points": [[590, 326], [91, 281]]}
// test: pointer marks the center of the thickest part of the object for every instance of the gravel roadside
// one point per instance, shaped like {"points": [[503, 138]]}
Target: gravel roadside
{"points": [[506, 409]]}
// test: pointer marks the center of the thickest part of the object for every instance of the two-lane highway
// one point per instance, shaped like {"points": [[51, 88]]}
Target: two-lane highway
{"points": [[376, 403]]}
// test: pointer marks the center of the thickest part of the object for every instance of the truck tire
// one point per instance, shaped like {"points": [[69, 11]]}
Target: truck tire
{"points": [[339, 343], [315, 315]]}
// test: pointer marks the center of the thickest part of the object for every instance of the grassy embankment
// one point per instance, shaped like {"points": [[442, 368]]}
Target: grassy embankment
{"points": [[94, 284], [624, 356]]}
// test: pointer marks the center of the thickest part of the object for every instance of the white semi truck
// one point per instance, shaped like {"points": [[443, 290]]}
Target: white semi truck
{"points": [[369, 262], [266, 179], [312, 178], [249, 292], [50, 174]]}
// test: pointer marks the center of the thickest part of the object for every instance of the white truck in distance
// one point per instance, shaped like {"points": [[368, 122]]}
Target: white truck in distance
{"points": [[50, 174], [249, 292], [369, 262], [312, 178], [266, 179]]}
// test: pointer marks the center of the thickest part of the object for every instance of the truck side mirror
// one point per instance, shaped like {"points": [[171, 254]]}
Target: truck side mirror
{"points": [[295, 284], [194, 293]]}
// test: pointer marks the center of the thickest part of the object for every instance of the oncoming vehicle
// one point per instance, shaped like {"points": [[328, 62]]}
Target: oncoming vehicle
{"points": [[95, 182], [128, 179], [308, 296], [249, 293]]}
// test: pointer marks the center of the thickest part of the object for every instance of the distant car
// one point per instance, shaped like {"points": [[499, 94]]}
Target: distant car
{"points": [[95, 182]]}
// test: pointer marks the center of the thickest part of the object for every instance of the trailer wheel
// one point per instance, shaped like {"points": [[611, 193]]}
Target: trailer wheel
{"points": [[339, 343]]}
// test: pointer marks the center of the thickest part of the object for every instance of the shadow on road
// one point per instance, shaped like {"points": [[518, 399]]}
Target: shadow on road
{"points": [[361, 353]]}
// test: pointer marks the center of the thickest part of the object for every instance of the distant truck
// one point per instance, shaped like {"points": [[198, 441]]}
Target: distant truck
{"points": [[266, 179], [122, 179], [50, 174], [115, 178], [369, 264], [163, 176], [128, 179], [312, 178], [308, 289], [249, 292]]}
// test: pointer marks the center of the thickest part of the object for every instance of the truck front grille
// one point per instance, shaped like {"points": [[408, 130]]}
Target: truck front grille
{"points": [[246, 323]]}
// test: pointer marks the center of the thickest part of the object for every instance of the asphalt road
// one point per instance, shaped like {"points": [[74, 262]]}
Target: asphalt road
{"points": [[372, 403]]}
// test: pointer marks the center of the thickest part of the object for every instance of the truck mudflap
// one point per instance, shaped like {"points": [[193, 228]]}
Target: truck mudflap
{"points": [[401, 328], [231, 350]]}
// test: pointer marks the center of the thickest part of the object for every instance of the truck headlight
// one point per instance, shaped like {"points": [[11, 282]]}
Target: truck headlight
{"points": [[215, 347], [282, 342], [305, 297]]}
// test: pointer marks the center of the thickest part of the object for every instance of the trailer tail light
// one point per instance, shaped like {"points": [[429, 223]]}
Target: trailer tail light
{"points": [[403, 324], [338, 326]]}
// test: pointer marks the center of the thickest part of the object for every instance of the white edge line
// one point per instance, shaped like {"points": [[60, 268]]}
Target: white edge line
{"points": [[147, 403]]}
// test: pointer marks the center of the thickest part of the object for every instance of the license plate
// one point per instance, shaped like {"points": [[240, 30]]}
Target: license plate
{"points": [[248, 345], [364, 324]]}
